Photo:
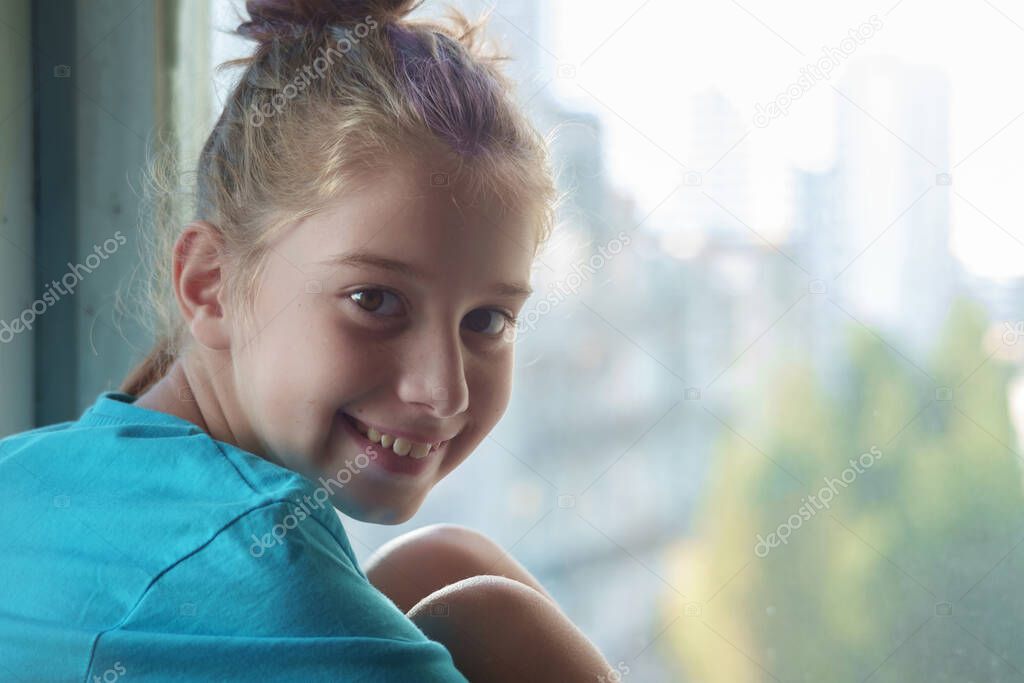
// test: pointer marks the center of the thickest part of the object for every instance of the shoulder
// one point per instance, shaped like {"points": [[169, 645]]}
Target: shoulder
{"points": [[284, 568], [138, 493], [294, 608], [136, 459]]}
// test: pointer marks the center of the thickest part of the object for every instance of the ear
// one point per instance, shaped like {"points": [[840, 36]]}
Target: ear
{"points": [[198, 272]]}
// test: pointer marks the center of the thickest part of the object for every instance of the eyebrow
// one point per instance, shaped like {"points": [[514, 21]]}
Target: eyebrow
{"points": [[365, 259]]}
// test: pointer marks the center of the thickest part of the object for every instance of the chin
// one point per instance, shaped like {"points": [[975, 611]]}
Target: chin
{"points": [[381, 513]]}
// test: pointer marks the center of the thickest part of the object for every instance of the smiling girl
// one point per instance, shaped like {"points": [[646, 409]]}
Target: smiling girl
{"points": [[334, 337]]}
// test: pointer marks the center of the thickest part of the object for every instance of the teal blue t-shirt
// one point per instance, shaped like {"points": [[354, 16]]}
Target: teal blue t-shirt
{"points": [[137, 547]]}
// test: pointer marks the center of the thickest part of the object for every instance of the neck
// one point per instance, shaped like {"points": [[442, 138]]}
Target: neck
{"points": [[184, 393]]}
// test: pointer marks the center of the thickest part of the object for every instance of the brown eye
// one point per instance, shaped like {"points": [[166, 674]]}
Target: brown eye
{"points": [[377, 301], [487, 321]]}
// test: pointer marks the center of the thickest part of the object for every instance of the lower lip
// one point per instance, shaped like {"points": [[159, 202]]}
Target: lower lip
{"points": [[386, 458]]}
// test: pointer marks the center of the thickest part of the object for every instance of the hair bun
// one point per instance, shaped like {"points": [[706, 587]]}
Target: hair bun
{"points": [[269, 19]]}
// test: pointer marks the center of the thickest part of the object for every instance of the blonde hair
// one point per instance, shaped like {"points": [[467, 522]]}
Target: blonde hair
{"points": [[334, 90]]}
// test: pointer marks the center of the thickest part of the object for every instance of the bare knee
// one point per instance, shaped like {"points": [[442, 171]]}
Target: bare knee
{"points": [[416, 564], [423, 561], [500, 629], [455, 540]]}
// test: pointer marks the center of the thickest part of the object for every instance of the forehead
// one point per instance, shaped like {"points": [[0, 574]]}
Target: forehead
{"points": [[410, 212]]}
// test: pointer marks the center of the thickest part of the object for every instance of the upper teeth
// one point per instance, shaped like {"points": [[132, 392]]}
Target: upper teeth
{"points": [[397, 444]]}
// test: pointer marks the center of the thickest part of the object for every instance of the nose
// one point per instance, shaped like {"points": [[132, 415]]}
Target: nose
{"points": [[436, 376]]}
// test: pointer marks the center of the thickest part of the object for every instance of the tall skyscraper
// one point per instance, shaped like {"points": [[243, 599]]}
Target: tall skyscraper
{"points": [[719, 182], [896, 269]]}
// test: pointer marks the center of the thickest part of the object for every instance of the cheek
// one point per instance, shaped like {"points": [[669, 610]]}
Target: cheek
{"points": [[490, 388], [334, 359], [307, 363]]}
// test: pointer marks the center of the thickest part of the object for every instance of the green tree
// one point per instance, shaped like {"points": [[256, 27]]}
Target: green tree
{"points": [[909, 573]]}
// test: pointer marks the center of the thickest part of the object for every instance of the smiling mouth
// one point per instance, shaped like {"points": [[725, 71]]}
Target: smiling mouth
{"points": [[400, 446]]}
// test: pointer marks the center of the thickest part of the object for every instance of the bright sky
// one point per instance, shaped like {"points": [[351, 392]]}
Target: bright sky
{"points": [[671, 49]]}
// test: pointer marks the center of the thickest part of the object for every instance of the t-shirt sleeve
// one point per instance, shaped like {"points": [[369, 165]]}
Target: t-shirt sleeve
{"points": [[273, 595]]}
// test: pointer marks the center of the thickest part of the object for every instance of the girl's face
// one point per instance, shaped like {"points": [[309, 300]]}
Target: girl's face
{"points": [[385, 314]]}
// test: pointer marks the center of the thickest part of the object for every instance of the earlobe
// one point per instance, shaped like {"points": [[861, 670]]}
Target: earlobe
{"points": [[198, 272]]}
